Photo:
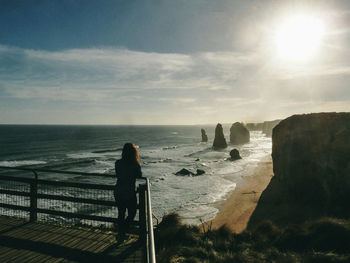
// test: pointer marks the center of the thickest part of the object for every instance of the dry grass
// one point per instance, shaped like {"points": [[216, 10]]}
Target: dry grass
{"points": [[324, 240]]}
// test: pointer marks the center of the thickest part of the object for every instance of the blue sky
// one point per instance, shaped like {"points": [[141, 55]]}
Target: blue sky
{"points": [[164, 62]]}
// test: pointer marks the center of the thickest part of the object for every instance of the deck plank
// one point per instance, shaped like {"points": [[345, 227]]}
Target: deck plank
{"points": [[22, 241]]}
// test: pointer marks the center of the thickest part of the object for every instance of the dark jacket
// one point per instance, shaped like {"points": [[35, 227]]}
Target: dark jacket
{"points": [[126, 173]]}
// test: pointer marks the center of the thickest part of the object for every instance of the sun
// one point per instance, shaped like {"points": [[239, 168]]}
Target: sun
{"points": [[298, 38]]}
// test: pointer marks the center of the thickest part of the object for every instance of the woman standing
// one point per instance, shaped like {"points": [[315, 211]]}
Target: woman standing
{"points": [[127, 169]]}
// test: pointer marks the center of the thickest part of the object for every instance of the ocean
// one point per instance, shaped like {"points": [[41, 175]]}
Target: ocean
{"points": [[164, 150]]}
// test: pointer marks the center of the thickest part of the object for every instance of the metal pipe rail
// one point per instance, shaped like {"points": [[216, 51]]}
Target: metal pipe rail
{"points": [[145, 207], [34, 195], [151, 254], [55, 171]]}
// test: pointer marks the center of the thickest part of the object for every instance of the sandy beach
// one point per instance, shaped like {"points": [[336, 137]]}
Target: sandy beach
{"points": [[237, 209]]}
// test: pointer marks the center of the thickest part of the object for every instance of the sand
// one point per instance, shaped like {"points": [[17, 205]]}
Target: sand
{"points": [[237, 209]]}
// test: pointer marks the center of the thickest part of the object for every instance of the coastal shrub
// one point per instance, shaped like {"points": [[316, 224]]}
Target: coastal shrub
{"points": [[292, 238], [324, 240], [171, 232], [322, 257], [329, 234], [265, 234]]}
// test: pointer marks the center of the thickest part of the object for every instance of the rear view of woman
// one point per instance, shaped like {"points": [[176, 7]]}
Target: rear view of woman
{"points": [[127, 169]]}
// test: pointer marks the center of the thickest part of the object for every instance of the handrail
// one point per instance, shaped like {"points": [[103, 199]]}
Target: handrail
{"points": [[34, 195], [56, 171], [150, 234], [145, 220]]}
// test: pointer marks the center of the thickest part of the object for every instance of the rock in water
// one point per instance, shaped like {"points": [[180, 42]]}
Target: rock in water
{"points": [[239, 134], [200, 172], [311, 159], [235, 155], [183, 172], [204, 136], [219, 140]]}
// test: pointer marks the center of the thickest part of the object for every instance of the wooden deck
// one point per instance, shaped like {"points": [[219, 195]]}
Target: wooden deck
{"points": [[23, 241]]}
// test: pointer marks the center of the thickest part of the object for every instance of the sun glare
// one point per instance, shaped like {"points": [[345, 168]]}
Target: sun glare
{"points": [[299, 37]]}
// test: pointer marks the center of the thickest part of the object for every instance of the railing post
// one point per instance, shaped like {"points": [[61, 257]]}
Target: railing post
{"points": [[142, 211], [34, 198]]}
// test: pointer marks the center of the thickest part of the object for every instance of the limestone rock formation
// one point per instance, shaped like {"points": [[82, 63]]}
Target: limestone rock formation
{"points": [[311, 156], [267, 127], [254, 126], [235, 155], [239, 134], [204, 136], [311, 164], [219, 140]]}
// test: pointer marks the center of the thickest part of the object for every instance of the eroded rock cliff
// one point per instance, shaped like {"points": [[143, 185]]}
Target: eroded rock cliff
{"points": [[311, 157], [311, 164]]}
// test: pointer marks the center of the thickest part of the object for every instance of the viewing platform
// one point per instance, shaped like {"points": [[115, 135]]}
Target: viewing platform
{"points": [[29, 235], [24, 241]]}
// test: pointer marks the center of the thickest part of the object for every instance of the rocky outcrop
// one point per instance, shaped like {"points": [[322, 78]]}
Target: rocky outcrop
{"points": [[234, 155], [219, 140], [239, 134], [311, 164], [204, 136]]}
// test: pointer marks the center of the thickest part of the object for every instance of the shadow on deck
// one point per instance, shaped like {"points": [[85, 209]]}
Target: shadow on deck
{"points": [[23, 241]]}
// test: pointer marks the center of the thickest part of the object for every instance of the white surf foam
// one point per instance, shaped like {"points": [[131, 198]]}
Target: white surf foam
{"points": [[21, 163]]}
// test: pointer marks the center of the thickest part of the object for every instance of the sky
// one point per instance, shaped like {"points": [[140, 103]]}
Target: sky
{"points": [[166, 61]]}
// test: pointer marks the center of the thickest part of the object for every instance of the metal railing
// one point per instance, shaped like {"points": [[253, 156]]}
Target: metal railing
{"points": [[148, 222], [37, 192]]}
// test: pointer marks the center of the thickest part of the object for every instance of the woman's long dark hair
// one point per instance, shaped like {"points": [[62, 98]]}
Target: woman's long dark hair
{"points": [[130, 153]]}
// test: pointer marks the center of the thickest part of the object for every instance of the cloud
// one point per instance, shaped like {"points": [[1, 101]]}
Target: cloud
{"points": [[97, 74], [113, 85]]}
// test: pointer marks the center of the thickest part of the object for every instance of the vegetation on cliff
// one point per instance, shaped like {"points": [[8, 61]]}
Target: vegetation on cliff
{"points": [[323, 240]]}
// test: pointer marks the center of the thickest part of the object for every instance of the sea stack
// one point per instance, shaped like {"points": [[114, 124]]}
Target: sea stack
{"points": [[239, 134], [219, 140], [204, 136]]}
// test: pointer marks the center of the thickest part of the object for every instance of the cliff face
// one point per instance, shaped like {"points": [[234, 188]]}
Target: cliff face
{"points": [[311, 158], [267, 127], [239, 134], [311, 164]]}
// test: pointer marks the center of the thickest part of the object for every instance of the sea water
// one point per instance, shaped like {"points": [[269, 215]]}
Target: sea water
{"points": [[164, 150]]}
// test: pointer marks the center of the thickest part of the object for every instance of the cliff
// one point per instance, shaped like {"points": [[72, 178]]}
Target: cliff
{"points": [[311, 164], [266, 127]]}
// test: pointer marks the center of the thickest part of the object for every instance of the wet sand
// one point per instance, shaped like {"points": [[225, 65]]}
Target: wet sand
{"points": [[237, 209]]}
